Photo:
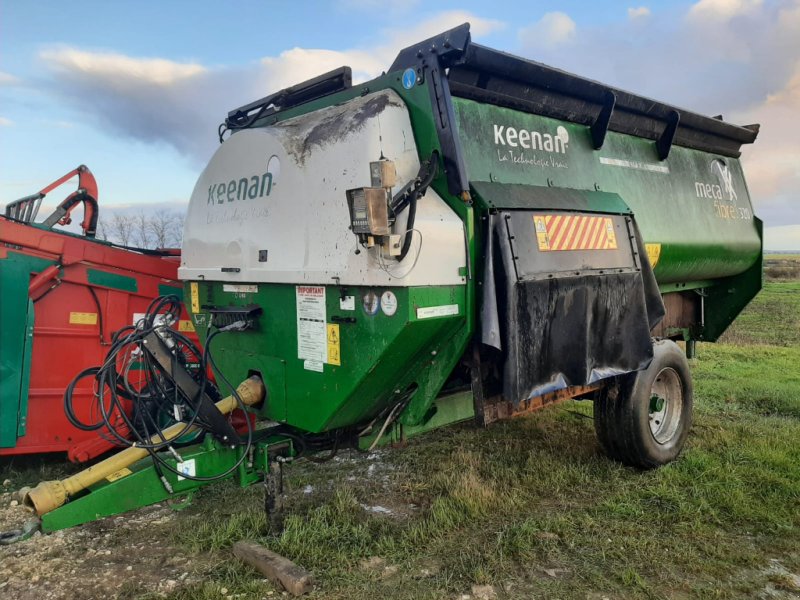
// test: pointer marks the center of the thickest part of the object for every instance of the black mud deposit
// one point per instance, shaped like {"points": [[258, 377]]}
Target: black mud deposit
{"points": [[331, 125]]}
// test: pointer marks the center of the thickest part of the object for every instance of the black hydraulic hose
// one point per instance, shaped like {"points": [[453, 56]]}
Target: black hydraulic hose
{"points": [[412, 214], [432, 168]]}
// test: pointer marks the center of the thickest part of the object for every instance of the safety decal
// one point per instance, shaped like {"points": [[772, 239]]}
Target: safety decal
{"points": [[574, 232], [194, 292], [334, 346], [653, 253], [371, 303], [409, 78], [388, 303], [311, 316], [82, 318], [185, 326], [187, 468]]}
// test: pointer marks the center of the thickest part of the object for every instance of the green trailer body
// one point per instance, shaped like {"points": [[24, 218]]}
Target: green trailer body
{"points": [[261, 221]]}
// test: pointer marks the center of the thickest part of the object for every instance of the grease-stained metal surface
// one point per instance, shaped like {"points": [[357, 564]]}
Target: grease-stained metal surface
{"points": [[332, 125]]}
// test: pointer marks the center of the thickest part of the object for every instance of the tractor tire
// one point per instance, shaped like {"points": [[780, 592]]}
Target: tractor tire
{"points": [[642, 418]]}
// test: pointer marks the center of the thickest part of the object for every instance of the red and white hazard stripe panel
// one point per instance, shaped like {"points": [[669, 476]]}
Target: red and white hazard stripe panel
{"points": [[574, 232]]}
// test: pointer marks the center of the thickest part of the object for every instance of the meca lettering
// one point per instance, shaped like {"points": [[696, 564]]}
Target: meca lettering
{"points": [[714, 191], [708, 190], [243, 189], [533, 140]]}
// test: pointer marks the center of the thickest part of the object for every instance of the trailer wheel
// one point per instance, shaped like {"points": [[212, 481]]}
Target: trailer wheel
{"points": [[643, 418]]}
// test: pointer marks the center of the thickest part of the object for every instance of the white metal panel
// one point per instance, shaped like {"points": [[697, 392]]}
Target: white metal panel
{"points": [[302, 220]]}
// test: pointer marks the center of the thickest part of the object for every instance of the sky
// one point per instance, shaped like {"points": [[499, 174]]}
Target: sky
{"points": [[136, 90]]}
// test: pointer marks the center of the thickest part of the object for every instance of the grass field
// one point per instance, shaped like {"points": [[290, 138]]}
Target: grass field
{"points": [[530, 508]]}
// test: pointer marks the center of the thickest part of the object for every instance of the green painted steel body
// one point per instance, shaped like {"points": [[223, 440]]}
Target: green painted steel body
{"points": [[701, 238], [380, 355], [140, 485], [713, 245], [16, 343]]}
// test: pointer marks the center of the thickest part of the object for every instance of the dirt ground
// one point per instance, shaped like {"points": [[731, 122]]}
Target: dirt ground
{"points": [[109, 558]]}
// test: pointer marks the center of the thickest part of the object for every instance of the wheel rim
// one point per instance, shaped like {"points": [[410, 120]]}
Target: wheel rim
{"points": [[666, 405]]}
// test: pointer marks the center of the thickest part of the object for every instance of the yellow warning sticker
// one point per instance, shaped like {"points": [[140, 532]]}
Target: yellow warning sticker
{"points": [[195, 294], [82, 318], [653, 253], [124, 472], [334, 349], [185, 325], [541, 233]]}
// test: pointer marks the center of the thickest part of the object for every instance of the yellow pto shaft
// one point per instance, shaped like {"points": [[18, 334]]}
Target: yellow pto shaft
{"points": [[49, 495]]}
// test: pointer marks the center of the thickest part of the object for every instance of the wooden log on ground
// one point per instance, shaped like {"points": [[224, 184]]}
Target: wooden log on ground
{"points": [[278, 569]]}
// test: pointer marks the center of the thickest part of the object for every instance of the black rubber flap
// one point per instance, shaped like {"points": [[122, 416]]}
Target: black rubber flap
{"points": [[565, 330]]}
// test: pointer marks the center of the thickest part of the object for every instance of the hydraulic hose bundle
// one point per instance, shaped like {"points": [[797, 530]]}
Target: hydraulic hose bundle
{"points": [[136, 399]]}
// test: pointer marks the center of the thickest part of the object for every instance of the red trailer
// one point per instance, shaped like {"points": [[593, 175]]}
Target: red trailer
{"points": [[62, 296]]}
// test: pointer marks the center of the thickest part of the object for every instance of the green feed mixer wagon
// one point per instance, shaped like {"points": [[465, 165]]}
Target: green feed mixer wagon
{"points": [[469, 235]]}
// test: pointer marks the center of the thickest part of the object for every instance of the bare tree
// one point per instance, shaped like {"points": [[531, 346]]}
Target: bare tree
{"points": [[141, 227], [166, 228], [102, 230], [119, 229], [160, 229]]}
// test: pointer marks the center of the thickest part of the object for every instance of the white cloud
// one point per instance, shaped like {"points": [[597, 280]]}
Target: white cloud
{"points": [[181, 104], [298, 64], [722, 10], [639, 12], [5, 122], [8, 79], [119, 69], [553, 29]]}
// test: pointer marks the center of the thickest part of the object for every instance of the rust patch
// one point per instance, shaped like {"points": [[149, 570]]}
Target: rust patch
{"points": [[499, 408], [328, 126]]}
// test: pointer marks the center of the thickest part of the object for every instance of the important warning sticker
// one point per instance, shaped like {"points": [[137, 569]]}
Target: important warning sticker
{"points": [[312, 338]]}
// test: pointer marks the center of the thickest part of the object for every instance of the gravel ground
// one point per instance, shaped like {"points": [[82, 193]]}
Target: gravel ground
{"points": [[113, 557]]}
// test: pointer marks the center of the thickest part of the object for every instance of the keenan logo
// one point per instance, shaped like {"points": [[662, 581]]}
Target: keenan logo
{"points": [[532, 140], [245, 188]]}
